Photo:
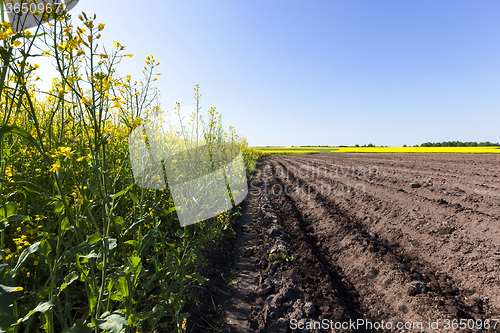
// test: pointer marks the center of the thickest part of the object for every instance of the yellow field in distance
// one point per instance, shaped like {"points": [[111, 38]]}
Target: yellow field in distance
{"points": [[426, 150]]}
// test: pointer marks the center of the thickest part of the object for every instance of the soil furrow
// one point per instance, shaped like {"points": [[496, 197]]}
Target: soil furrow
{"points": [[337, 299], [446, 235], [373, 252], [401, 247], [406, 239]]}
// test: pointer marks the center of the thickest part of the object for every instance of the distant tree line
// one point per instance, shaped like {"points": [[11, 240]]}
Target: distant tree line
{"points": [[459, 144], [426, 144]]}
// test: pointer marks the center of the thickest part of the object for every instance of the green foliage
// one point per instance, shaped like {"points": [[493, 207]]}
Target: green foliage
{"points": [[459, 144]]}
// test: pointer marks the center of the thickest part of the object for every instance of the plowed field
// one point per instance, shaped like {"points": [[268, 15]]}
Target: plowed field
{"points": [[398, 238]]}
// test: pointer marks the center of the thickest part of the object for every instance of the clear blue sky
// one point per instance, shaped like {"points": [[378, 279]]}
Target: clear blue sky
{"points": [[310, 72]]}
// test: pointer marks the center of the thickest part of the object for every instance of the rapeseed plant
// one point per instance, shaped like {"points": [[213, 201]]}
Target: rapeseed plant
{"points": [[83, 248]]}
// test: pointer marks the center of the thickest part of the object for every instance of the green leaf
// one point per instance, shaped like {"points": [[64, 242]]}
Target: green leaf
{"points": [[9, 293], [65, 224], [59, 207], [7, 210], [200, 279], [42, 308], [132, 242], [117, 220], [135, 261], [6, 321], [16, 218], [114, 322], [147, 240], [117, 195], [22, 258], [94, 238], [172, 209], [80, 326], [134, 198], [69, 279], [181, 233], [91, 255], [26, 135], [44, 248], [136, 268], [121, 289], [133, 227], [90, 243]]}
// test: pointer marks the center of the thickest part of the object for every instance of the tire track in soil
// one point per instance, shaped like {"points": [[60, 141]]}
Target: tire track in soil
{"points": [[420, 290]]}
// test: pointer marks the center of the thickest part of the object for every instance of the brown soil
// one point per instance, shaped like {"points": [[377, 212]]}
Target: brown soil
{"points": [[392, 238]]}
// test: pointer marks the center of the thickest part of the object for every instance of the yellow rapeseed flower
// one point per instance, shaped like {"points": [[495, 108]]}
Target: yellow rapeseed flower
{"points": [[16, 43], [105, 83], [56, 166], [184, 321], [136, 122], [120, 46], [66, 151], [7, 34], [87, 101], [8, 172], [5, 24]]}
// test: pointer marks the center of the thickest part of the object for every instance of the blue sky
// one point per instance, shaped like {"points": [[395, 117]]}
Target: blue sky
{"points": [[312, 72]]}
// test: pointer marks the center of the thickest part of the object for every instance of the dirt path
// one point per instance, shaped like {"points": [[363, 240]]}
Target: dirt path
{"points": [[244, 279], [403, 239]]}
